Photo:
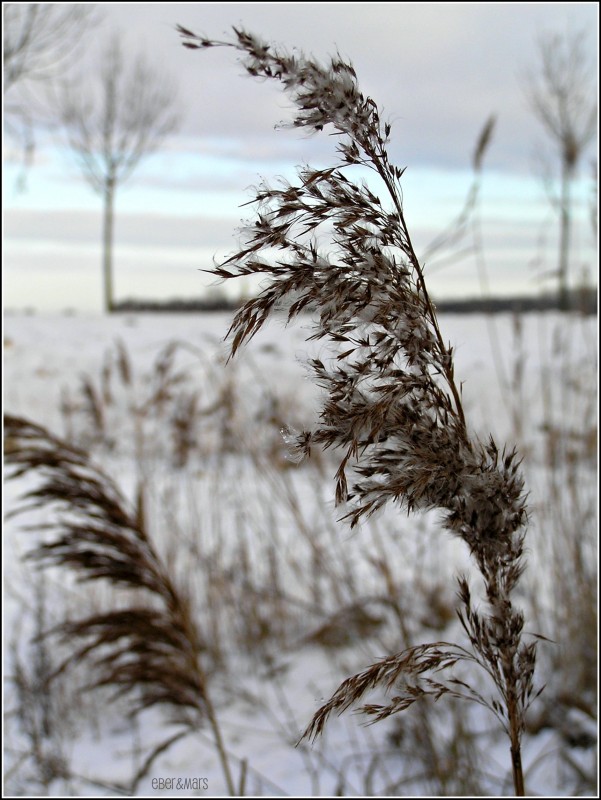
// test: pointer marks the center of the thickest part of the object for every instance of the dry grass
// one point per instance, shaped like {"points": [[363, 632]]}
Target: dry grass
{"points": [[562, 467], [281, 580], [220, 564], [391, 406], [152, 649], [274, 582]]}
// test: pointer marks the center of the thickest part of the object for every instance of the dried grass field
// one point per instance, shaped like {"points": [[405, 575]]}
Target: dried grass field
{"points": [[237, 603]]}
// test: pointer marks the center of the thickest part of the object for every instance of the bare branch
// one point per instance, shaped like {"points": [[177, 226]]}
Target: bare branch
{"points": [[40, 44], [562, 93], [122, 119], [113, 124], [41, 38], [563, 97]]}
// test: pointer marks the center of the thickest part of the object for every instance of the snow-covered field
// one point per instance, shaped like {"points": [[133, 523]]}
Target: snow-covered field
{"points": [[275, 577]]}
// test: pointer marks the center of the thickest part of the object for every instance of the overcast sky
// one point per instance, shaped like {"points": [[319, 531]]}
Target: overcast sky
{"points": [[438, 70]]}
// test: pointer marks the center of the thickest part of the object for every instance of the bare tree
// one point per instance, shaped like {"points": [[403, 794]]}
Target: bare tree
{"points": [[563, 96], [40, 41], [112, 129]]}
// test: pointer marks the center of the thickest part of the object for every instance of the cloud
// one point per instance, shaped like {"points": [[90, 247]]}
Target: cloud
{"points": [[437, 69], [138, 230]]}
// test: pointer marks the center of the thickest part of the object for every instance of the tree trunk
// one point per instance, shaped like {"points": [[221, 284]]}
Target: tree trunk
{"points": [[107, 244], [564, 236]]}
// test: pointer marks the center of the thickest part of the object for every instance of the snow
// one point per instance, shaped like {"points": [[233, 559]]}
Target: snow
{"points": [[235, 496]]}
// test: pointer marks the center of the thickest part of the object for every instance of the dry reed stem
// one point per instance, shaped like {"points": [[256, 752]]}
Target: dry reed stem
{"points": [[392, 408], [150, 650]]}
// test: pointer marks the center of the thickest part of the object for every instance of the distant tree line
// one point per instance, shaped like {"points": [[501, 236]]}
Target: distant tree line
{"points": [[583, 300]]}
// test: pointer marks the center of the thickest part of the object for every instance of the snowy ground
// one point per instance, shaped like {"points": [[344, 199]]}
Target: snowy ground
{"points": [[46, 354], [521, 378]]}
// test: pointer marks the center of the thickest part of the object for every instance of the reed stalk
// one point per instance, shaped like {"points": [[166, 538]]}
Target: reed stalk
{"points": [[392, 408], [151, 647]]}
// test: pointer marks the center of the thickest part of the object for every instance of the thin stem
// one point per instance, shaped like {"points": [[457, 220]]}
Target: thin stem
{"points": [[515, 719], [107, 244], [223, 757], [518, 775], [447, 364]]}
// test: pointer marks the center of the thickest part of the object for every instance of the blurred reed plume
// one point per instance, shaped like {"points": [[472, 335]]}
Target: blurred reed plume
{"points": [[392, 408], [149, 648]]}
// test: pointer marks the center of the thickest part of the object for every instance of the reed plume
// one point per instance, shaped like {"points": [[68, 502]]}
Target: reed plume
{"points": [[392, 408], [152, 648]]}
